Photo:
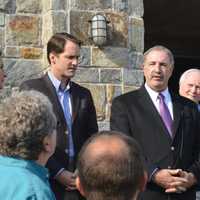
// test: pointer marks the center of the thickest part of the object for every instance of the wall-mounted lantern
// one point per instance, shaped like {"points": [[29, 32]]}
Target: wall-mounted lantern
{"points": [[99, 29]]}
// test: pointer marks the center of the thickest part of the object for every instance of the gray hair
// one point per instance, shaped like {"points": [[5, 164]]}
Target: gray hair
{"points": [[26, 118], [160, 48], [186, 74]]}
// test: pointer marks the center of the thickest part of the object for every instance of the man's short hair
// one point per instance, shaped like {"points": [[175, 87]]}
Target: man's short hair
{"points": [[26, 118], [186, 73], [57, 43], [111, 176], [160, 48]]}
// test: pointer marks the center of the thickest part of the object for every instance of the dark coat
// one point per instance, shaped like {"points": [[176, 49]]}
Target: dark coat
{"points": [[135, 115]]}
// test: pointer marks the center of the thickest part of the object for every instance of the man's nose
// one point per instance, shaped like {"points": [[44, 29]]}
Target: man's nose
{"points": [[75, 61], [157, 67], [194, 89]]}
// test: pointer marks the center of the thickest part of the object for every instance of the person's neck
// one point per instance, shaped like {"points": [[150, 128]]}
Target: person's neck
{"points": [[59, 77], [42, 159]]}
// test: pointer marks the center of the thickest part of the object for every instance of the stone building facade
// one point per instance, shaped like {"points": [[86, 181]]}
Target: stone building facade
{"points": [[26, 26]]}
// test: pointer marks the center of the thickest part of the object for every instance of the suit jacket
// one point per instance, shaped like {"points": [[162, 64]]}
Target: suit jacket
{"points": [[135, 115], [84, 123]]}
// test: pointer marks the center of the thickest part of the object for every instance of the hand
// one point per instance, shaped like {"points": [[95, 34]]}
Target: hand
{"points": [[182, 186], [166, 177], [67, 179]]}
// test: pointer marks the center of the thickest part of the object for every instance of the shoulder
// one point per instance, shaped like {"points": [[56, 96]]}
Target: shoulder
{"points": [[183, 100], [32, 82], [127, 97], [79, 89]]}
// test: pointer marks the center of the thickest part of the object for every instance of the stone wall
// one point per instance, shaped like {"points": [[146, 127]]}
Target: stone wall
{"points": [[26, 26]]}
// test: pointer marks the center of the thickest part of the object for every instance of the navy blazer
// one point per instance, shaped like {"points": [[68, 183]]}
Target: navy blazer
{"points": [[135, 115]]}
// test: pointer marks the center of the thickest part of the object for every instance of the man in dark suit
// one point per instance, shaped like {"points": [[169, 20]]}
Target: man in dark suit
{"points": [[74, 109], [167, 128]]}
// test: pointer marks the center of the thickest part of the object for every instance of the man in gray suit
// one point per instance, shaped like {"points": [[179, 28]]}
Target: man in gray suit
{"points": [[167, 128]]}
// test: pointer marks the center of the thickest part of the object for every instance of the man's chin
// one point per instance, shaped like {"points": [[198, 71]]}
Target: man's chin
{"points": [[69, 75]]}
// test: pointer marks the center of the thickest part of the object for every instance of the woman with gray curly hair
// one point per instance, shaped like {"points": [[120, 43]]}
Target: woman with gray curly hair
{"points": [[27, 140]]}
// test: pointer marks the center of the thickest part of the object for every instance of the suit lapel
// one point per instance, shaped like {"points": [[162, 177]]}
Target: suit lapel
{"points": [[75, 99], [177, 110], [53, 97], [150, 108]]}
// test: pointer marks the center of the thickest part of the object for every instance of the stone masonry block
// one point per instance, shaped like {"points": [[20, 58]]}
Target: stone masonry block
{"points": [[117, 29], [135, 8], [9, 6], [59, 21], [2, 19], [99, 97], [110, 76], [86, 75], [110, 57], [92, 4], [111, 92], [80, 26], [135, 59], [121, 5], [30, 6], [54, 5], [133, 77], [12, 52], [2, 43], [21, 70], [136, 34], [31, 53], [22, 30], [85, 55], [47, 27]]}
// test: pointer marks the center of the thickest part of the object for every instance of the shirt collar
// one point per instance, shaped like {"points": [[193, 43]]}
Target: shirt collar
{"points": [[154, 95], [56, 82]]}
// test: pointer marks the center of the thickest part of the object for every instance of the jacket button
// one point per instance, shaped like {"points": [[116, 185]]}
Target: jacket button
{"points": [[66, 132], [172, 148]]}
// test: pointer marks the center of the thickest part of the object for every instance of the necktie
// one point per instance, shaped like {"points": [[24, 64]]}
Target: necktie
{"points": [[165, 114], [68, 118]]}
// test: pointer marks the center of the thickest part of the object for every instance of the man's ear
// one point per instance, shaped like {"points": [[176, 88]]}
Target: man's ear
{"points": [[52, 57], [79, 186], [47, 144]]}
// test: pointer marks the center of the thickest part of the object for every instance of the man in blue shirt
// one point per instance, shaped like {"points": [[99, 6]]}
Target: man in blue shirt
{"points": [[74, 109]]}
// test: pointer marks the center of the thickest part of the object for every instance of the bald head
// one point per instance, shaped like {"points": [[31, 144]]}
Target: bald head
{"points": [[106, 145], [189, 85], [110, 165]]}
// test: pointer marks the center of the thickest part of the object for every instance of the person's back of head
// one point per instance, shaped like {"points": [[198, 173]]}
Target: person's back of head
{"points": [[110, 167], [26, 120]]}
